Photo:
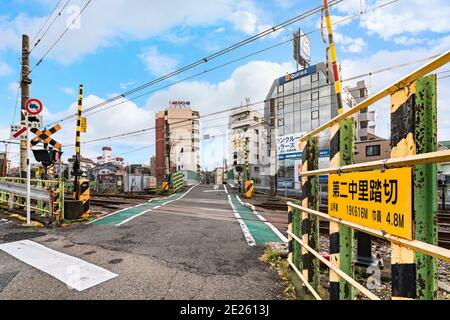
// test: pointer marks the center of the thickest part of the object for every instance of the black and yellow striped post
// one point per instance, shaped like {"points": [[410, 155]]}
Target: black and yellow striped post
{"points": [[414, 131], [249, 189], [81, 187], [403, 268], [304, 226]]}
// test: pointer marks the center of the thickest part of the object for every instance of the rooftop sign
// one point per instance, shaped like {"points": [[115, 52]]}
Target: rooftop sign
{"points": [[298, 74]]}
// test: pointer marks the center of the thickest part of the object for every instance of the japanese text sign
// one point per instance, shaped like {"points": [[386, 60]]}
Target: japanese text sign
{"points": [[374, 199]]}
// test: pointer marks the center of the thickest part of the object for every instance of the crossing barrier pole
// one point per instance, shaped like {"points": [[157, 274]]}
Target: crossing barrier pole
{"points": [[425, 195], [346, 234], [403, 267]]}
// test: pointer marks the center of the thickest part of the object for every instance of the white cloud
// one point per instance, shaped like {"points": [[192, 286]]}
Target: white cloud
{"points": [[349, 44], [410, 41], [13, 87], [156, 63], [244, 21], [126, 85], [401, 17], [68, 91], [385, 58], [102, 29], [250, 80], [219, 30], [5, 69]]}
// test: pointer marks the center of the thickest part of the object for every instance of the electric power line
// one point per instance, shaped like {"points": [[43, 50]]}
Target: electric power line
{"points": [[94, 107], [61, 36], [46, 21]]}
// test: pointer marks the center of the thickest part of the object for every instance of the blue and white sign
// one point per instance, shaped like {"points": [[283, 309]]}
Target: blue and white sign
{"points": [[288, 146], [299, 74]]}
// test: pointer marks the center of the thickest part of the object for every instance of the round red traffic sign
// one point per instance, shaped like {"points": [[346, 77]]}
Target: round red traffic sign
{"points": [[34, 106]]}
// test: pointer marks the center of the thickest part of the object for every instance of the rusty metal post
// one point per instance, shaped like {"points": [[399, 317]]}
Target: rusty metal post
{"points": [[403, 267], [425, 182], [313, 203], [346, 234], [304, 228]]}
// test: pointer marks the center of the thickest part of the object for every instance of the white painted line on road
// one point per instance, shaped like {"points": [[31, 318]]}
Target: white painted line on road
{"points": [[225, 187], [247, 235], [157, 207], [74, 272], [135, 216], [147, 211], [209, 191], [271, 226], [115, 212]]}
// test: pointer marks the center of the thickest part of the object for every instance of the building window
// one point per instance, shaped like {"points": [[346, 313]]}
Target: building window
{"points": [[314, 114], [363, 124], [362, 93], [315, 77], [315, 96], [280, 89], [280, 105], [256, 169], [256, 119], [280, 122], [373, 151]]}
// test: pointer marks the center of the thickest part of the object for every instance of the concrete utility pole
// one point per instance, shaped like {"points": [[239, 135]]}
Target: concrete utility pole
{"points": [[25, 83]]}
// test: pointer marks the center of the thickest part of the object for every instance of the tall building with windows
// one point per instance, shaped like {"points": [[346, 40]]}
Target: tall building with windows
{"points": [[177, 140], [298, 103], [247, 132], [365, 119]]}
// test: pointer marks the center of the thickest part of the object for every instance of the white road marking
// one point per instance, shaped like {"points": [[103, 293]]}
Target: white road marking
{"points": [[248, 236], [225, 187], [271, 226], [74, 272], [147, 211], [208, 191], [115, 212]]}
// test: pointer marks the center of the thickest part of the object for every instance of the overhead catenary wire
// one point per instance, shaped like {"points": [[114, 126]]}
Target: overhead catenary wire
{"points": [[106, 102], [46, 21], [61, 36], [220, 53]]}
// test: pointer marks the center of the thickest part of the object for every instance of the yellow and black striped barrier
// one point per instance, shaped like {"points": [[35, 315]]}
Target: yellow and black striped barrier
{"points": [[249, 188], [165, 186], [178, 182], [84, 195]]}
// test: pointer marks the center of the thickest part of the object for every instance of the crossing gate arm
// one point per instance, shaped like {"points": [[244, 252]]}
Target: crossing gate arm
{"points": [[419, 246], [420, 72]]}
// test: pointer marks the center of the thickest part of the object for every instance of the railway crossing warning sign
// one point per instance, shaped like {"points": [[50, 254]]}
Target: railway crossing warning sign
{"points": [[380, 200], [45, 136]]}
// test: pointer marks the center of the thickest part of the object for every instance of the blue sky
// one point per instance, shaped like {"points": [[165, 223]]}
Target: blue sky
{"points": [[120, 44]]}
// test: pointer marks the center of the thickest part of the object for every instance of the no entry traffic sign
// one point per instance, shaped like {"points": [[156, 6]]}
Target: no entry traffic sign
{"points": [[34, 107]]}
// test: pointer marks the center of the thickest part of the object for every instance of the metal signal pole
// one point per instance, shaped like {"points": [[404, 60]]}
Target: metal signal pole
{"points": [[76, 165]]}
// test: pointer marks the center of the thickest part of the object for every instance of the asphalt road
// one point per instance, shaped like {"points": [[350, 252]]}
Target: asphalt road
{"points": [[190, 248]]}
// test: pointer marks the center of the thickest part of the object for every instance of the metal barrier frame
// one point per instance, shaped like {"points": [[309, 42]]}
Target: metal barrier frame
{"points": [[43, 208], [341, 123]]}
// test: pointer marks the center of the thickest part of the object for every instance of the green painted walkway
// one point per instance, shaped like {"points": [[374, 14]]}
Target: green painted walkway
{"points": [[260, 231], [128, 213]]}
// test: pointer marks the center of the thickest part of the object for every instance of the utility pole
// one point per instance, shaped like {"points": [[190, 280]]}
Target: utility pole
{"points": [[25, 83]]}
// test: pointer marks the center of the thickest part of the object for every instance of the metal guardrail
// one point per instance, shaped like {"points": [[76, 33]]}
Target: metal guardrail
{"points": [[412, 261], [47, 195]]}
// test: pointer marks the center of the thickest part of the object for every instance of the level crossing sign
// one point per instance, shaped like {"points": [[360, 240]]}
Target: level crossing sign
{"points": [[380, 200], [18, 132], [45, 136], [34, 107]]}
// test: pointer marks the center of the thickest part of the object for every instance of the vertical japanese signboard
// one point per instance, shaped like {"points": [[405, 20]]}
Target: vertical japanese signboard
{"points": [[380, 200]]}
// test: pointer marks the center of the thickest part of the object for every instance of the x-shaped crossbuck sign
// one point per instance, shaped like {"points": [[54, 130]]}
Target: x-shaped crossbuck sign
{"points": [[45, 136]]}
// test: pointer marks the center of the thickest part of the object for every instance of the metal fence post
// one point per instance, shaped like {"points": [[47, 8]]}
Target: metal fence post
{"points": [[296, 248], [290, 230], [313, 203], [335, 160], [346, 234], [304, 228], [403, 268], [425, 195]]}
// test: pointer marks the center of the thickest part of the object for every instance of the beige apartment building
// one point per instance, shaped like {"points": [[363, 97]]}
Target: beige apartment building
{"points": [[177, 139]]}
